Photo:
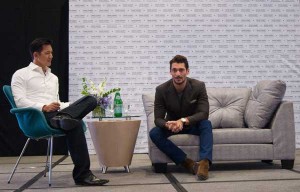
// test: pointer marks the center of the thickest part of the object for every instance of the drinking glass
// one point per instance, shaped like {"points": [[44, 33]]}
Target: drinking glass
{"points": [[126, 109], [110, 110]]}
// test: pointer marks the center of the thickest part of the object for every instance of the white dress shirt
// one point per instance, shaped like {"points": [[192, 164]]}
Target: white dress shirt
{"points": [[31, 87]]}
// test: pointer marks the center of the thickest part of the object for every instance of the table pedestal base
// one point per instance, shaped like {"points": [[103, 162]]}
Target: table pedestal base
{"points": [[114, 142], [104, 169]]}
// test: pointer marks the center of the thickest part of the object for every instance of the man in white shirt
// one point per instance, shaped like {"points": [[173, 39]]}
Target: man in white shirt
{"points": [[35, 86]]}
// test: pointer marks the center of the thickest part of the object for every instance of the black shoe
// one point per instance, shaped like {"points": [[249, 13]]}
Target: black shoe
{"points": [[64, 122], [92, 180]]}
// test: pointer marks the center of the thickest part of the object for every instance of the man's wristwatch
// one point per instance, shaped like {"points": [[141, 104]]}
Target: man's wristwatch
{"points": [[183, 120]]}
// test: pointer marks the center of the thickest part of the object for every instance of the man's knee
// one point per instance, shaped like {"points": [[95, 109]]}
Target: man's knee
{"points": [[154, 133], [206, 123], [92, 100], [89, 101]]}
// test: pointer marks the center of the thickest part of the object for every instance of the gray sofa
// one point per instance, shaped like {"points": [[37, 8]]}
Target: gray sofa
{"points": [[248, 124]]}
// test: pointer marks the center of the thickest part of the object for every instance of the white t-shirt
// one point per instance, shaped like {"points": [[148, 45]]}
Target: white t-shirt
{"points": [[31, 87]]}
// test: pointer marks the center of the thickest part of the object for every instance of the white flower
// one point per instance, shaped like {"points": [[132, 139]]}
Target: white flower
{"points": [[98, 92]]}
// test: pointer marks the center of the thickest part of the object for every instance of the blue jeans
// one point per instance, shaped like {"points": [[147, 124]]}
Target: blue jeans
{"points": [[203, 129]]}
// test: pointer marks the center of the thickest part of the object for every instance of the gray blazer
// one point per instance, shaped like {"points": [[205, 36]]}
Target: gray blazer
{"points": [[193, 104]]}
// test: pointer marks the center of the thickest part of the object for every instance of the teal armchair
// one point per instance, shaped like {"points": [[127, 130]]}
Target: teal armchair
{"points": [[33, 124]]}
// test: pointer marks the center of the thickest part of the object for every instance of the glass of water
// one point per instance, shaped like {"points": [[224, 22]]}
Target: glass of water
{"points": [[126, 110], [110, 110]]}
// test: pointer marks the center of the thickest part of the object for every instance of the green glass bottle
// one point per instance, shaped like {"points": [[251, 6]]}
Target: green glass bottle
{"points": [[118, 105]]}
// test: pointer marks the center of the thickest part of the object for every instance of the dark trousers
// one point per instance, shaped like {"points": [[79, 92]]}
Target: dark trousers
{"points": [[75, 137], [203, 129]]}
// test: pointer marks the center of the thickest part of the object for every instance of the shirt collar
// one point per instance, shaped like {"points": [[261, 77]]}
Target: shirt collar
{"points": [[33, 67]]}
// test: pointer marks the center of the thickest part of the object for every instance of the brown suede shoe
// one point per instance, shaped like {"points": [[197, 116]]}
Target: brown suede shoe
{"points": [[202, 173], [190, 165]]}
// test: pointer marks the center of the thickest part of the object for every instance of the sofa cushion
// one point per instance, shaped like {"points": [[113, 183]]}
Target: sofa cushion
{"points": [[227, 106], [242, 136], [228, 136], [263, 102]]}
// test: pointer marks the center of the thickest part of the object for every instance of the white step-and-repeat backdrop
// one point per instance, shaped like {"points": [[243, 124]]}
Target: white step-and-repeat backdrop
{"points": [[229, 43]]}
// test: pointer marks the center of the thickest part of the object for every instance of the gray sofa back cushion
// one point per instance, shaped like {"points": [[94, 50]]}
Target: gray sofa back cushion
{"points": [[263, 102], [227, 106]]}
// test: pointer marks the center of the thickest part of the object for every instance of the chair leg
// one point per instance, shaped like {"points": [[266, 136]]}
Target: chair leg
{"points": [[17, 163], [47, 160], [50, 160]]}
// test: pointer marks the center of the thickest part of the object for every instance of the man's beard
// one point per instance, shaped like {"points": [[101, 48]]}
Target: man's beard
{"points": [[179, 83]]}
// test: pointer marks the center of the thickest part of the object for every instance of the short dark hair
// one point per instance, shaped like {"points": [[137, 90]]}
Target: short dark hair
{"points": [[179, 59], [37, 45]]}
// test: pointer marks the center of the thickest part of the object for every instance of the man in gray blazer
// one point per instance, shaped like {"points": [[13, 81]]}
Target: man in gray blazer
{"points": [[181, 107]]}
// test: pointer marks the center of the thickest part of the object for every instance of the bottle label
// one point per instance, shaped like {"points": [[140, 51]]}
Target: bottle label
{"points": [[118, 110], [118, 105]]}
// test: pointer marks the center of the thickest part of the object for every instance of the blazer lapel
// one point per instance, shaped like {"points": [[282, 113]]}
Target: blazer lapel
{"points": [[172, 98], [187, 96]]}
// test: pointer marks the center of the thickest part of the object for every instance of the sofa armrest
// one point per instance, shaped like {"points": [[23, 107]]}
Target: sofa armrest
{"points": [[148, 102], [283, 131]]}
